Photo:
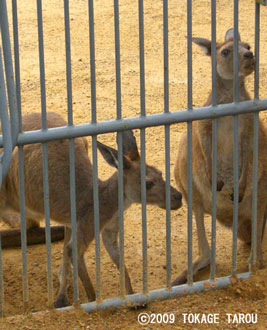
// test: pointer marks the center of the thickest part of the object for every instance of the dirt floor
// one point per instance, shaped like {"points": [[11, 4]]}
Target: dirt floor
{"points": [[242, 297]]}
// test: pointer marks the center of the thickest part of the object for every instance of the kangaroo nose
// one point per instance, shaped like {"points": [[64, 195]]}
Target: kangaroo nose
{"points": [[178, 196], [176, 199], [248, 55]]}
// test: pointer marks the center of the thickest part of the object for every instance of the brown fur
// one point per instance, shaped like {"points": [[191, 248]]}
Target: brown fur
{"points": [[202, 147], [59, 194]]}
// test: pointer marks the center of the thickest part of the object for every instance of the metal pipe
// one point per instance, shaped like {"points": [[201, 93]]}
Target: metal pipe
{"points": [[23, 229], [120, 147], [9, 72], [94, 151], [255, 145], [160, 119], [144, 217], [214, 143], [189, 145], [143, 143], [236, 193], [160, 294], [257, 51], [167, 143], [71, 153], [45, 154], [6, 156], [235, 141]]}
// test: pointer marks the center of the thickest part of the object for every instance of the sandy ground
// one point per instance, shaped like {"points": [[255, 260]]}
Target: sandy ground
{"points": [[242, 297]]}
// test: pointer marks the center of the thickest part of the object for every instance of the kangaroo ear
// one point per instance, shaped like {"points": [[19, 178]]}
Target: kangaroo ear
{"points": [[204, 44], [230, 35], [129, 145], [111, 156]]}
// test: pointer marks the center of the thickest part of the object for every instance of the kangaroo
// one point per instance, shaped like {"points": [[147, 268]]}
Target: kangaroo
{"points": [[202, 145], [59, 186]]}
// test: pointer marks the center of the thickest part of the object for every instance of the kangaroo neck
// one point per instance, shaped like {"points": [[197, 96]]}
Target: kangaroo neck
{"points": [[225, 91], [108, 199]]}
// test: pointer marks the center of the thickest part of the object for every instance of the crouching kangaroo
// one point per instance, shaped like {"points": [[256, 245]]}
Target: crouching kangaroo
{"points": [[59, 186], [202, 146]]}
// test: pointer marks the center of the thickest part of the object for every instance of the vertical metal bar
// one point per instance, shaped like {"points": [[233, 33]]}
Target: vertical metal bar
{"points": [[9, 72], [117, 58], [120, 146], [143, 143], [236, 41], [189, 144], [120, 207], [73, 219], [17, 61], [255, 143], [214, 142], [254, 191], [213, 53], [144, 217], [47, 224], [142, 58], [8, 134], [214, 189], [45, 154], [257, 50], [92, 59], [189, 56], [68, 61], [21, 160], [167, 143], [94, 150], [6, 156], [236, 194], [41, 62], [23, 228], [168, 206], [96, 218], [166, 56], [236, 146], [1, 281], [71, 155]]}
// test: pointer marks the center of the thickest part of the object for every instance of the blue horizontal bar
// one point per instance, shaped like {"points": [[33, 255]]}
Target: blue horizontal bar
{"points": [[159, 294], [114, 125]]}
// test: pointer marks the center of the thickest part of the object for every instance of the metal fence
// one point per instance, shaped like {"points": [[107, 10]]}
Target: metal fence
{"points": [[12, 136]]}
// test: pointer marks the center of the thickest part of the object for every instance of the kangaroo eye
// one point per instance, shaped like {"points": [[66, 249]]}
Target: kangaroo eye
{"points": [[225, 52], [149, 184], [248, 47]]}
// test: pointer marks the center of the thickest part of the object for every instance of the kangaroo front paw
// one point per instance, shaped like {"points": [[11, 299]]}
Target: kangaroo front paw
{"points": [[180, 280]]}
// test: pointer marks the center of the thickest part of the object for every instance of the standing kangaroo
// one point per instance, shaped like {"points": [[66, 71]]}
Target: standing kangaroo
{"points": [[59, 186], [202, 145]]}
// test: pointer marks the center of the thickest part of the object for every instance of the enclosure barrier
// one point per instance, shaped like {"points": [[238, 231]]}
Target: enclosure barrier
{"points": [[19, 138]]}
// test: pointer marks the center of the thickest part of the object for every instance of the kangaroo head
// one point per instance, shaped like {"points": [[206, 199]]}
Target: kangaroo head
{"points": [[155, 184], [225, 55]]}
